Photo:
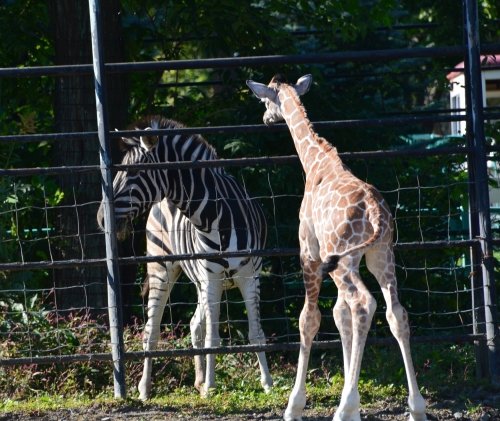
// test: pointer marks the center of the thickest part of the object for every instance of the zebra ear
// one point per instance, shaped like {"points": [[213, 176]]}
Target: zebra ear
{"points": [[127, 142], [148, 142]]}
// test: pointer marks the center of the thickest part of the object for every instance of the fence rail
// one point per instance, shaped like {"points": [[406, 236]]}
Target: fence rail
{"points": [[254, 128], [231, 62], [191, 352], [281, 252]]}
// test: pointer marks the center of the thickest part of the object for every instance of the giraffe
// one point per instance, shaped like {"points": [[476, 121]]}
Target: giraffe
{"points": [[342, 219]]}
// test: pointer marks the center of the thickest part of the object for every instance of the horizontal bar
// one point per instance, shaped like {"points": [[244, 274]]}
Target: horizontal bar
{"points": [[276, 252], [340, 56], [39, 137], [254, 128], [61, 264], [258, 128], [231, 62], [234, 162], [248, 128], [189, 352]]}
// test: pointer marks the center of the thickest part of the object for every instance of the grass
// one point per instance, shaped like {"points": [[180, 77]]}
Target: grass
{"points": [[444, 371]]}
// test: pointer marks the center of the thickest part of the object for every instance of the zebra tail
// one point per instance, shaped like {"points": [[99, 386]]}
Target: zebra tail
{"points": [[145, 287]]}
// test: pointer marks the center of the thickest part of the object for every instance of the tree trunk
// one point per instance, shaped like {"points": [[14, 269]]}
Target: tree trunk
{"points": [[75, 111]]}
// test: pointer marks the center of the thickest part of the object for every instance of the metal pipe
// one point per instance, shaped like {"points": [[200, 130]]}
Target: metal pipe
{"points": [[248, 128], [481, 215], [231, 62], [234, 162], [276, 252], [113, 280], [232, 349]]}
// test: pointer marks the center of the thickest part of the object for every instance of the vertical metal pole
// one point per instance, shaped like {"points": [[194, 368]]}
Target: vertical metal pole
{"points": [[476, 275], [476, 138], [113, 278]]}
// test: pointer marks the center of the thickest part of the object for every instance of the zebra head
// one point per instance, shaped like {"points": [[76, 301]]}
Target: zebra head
{"points": [[134, 190]]}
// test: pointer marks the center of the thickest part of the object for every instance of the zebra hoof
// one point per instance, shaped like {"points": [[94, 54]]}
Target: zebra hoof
{"points": [[206, 392]]}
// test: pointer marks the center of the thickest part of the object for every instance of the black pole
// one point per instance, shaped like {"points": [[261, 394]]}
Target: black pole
{"points": [[480, 214], [113, 277]]}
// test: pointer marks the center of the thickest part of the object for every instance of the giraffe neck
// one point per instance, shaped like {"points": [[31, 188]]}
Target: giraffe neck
{"points": [[311, 148]]}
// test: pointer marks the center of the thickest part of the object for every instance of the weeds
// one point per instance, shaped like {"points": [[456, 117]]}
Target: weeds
{"points": [[440, 369]]}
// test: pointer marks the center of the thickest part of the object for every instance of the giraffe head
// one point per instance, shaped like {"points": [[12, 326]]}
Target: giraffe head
{"points": [[268, 94]]}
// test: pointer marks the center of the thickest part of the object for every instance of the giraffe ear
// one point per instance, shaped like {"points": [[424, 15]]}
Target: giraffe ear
{"points": [[261, 91], [303, 84]]}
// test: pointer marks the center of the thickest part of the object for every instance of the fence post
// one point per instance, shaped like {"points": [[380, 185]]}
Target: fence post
{"points": [[480, 210], [113, 277]]}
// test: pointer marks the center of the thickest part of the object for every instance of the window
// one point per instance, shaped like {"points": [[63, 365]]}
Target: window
{"points": [[455, 106]]}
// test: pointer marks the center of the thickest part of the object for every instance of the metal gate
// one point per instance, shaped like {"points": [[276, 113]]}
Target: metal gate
{"points": [[479, 244]]}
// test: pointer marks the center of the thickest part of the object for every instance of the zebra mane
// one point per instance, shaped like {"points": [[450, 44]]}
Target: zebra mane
{"points": [[159, 122]]}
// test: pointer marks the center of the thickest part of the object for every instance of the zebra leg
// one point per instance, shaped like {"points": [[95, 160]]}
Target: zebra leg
{"points": [[250, 290], [161, 279], [198, 332], [210, 297]]}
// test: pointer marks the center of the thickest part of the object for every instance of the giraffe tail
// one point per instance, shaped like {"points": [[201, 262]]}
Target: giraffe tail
{"points": [[331, 261], [329, 265]]}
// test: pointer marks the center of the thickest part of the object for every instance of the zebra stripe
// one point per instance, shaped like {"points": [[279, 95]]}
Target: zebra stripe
{"points": [[196, 210]]}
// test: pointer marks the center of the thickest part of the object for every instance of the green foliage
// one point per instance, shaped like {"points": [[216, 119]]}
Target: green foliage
{"points": [[25, 108]]}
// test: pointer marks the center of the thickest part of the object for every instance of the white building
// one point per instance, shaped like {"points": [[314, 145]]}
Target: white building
{"points": [[490, 79]]}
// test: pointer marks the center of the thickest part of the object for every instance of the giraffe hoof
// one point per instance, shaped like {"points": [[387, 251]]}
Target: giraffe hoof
{"points": [[291, 418], [419, 417], [292, 414], [417, 408], [347, 417]]}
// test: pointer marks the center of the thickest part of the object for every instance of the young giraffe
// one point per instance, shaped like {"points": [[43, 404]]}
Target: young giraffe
{"points": [[341, 219]]}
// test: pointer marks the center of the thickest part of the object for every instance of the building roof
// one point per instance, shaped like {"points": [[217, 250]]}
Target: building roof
{"points": [[492, 60], [430, 141]]}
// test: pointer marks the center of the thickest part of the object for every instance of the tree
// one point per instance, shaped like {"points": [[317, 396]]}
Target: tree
{"points": [[74, 109]]}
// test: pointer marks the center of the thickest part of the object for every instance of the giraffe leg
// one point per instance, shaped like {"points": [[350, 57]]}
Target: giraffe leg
{"points": [[211, 293], [380, 262], [161, 280], [197, 326], [250, 291], [343, 321], [309, 321], [362, 306]]}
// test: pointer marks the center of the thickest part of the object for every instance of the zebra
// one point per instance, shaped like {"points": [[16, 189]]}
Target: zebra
{"points": [[195, 210]]}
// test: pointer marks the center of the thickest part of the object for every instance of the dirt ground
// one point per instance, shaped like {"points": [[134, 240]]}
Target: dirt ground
{"points": [[486, 409]]}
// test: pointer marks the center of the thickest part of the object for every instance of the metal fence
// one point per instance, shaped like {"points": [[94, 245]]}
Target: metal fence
{"points": [[465, 304]]}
